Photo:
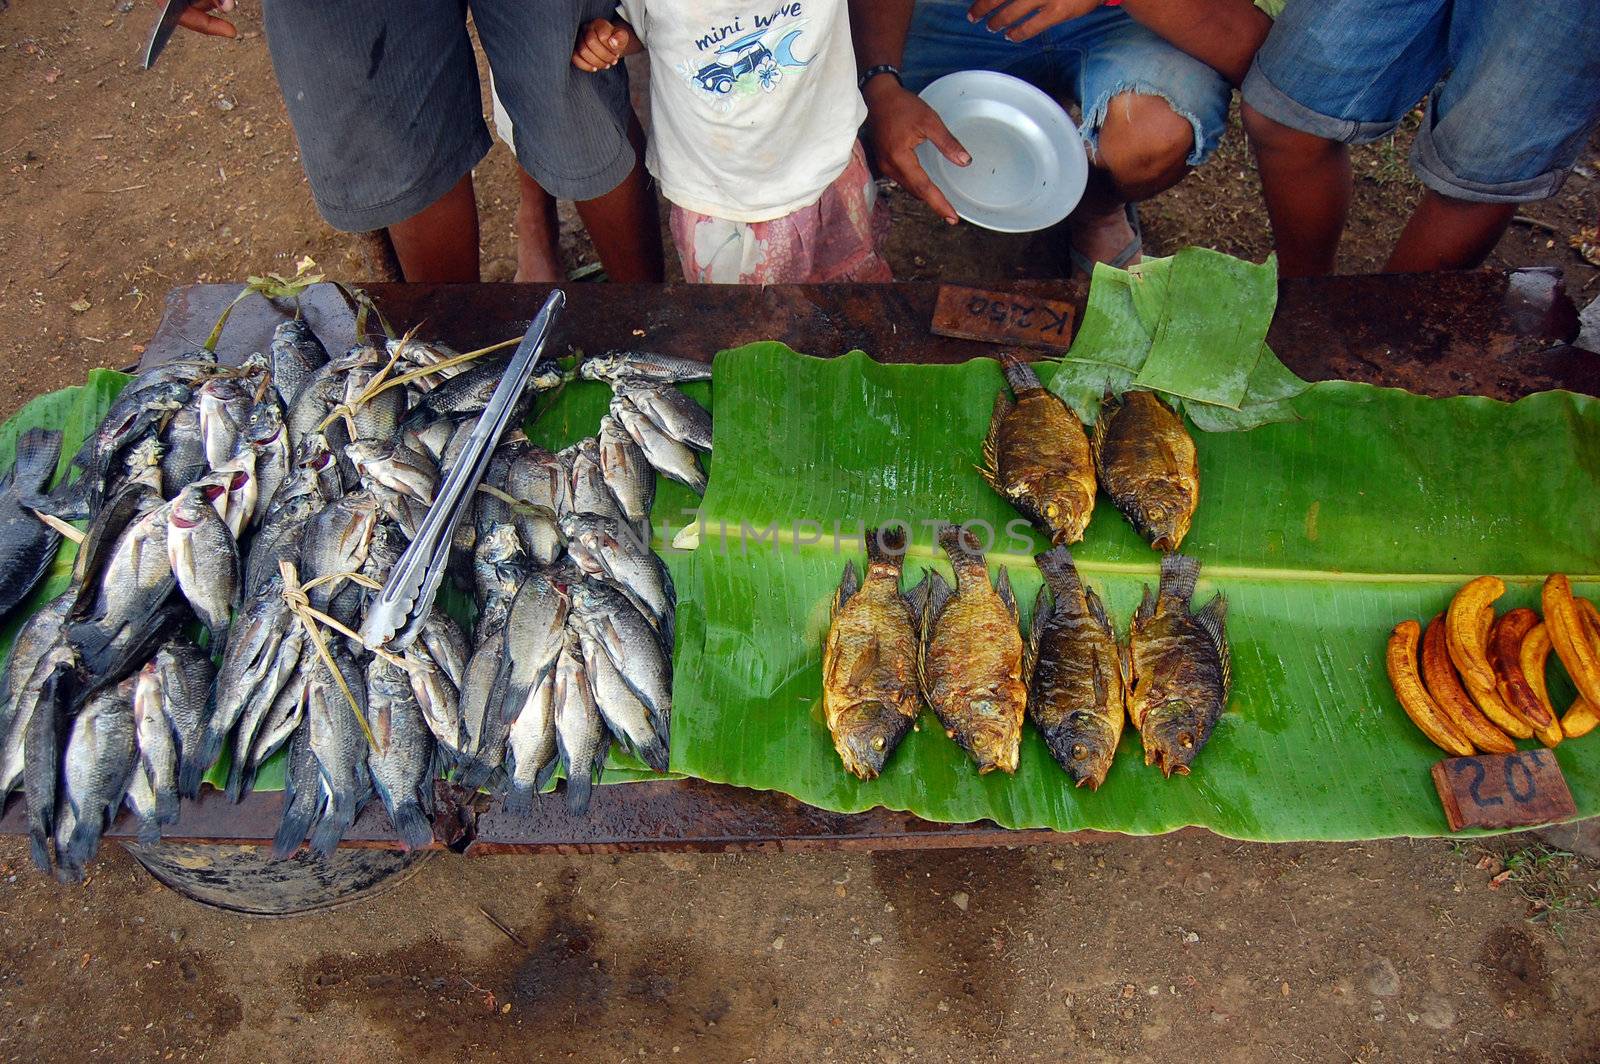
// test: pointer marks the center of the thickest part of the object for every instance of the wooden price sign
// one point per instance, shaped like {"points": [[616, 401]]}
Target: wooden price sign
{"points": [[1503, 790], [1002, 318]]}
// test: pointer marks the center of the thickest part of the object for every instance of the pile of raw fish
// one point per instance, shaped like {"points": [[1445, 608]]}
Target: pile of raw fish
{"points": [[240, 520]]}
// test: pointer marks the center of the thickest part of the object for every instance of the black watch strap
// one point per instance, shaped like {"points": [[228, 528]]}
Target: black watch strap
{"points": [[873, 71]]}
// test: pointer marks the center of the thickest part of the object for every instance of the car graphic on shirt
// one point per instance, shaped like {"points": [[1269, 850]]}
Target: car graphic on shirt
{"points": [[741, 57]]}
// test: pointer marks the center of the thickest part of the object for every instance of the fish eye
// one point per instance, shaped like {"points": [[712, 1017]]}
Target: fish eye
{"points": [[877, 742], [1185, 740], [1051, 509], [1079, 751]]}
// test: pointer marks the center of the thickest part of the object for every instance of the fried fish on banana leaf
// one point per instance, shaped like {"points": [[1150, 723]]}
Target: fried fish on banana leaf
{"points": [[1146, 462], [970, 663], [1180, 671], [1075, 676], [870, 698], [1037, 456]]}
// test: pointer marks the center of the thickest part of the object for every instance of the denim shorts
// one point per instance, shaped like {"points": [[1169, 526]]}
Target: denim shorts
{"points": [[1512, 88], [386, 104], [1090, 59]]}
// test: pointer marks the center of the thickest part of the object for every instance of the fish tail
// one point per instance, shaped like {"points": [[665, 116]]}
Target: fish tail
{"points": [[886, 546], [411, 824], [1060, 573], [580, 789], [298, 813], [80, 848], [39, 846], [38, 451], [149, 830], [340, 814], [166, 808], [957, 543], [1019, 375], [1179, 573], [519, 797], [655, 753], [193, 769]]}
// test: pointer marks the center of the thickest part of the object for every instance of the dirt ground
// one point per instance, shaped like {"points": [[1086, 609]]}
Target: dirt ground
{"points": [[118, 184]]}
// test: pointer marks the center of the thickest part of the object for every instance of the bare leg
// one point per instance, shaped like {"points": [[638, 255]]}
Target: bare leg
{"points": [[538, 232], [1307, 185], [440, 242], [625, 224], [1143, 148], [1449, 234]]}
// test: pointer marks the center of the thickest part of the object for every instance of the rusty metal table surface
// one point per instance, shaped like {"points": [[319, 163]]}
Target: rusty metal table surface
{"points": [[1480, 332]]}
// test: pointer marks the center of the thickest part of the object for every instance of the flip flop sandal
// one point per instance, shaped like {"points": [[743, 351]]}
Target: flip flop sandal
{"points": [[1080, 261]]}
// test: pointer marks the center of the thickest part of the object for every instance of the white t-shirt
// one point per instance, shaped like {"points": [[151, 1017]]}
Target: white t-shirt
{"points": [[753, 105]]}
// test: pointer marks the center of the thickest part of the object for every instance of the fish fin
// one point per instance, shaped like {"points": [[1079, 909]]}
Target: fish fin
{"points": [[1058, 570], [991, 441], [1213, 620], [1147, 607], [519, 797], [38, 450], [886, 545], [1036, 626], [935, 593], [1125, 668], [1002, 588], [1179, 572], [1019, 374], [1097, 610], [411, 824], [865, 664], [849, 584]]}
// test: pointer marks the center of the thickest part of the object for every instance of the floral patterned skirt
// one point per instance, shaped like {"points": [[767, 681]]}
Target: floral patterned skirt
{"points": [[834, 239]]}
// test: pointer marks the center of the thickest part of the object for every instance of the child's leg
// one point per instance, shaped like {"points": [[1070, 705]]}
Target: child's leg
{"points": [[538, 232], [1333, 73], [1503, 129], [1449, 234], [1306, 183], [625, 223], [439, 244]]}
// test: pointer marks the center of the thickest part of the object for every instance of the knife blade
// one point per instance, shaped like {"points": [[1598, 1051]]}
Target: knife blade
{"points": [[162, 32]]}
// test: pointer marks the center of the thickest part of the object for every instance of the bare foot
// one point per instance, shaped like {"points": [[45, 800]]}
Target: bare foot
{"points": [[1101, 235], [536, 272]]}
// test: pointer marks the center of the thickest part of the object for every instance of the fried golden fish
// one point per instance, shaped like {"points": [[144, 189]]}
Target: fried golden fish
{"points": [[1037, 456], [1145, 459], [1075, 694], [1180, 673], [869, 660], [971, 658]]}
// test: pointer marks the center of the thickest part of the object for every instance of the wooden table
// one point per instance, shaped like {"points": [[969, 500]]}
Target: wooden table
{"points": [[1480, 332]]}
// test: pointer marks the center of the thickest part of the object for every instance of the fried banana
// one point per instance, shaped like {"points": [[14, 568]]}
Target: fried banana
{"points": [[1442, 683], [1531, 658], [1468, 624], [1580, 719], [1401, 661], [1564, 620], [1511, 683]]}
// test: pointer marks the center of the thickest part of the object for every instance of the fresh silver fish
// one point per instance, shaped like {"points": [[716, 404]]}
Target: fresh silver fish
{"points": [[38, 637], [581, 739], [378, 417], [605, 615], [267, 437], [438, 697], [297, 355], [204, 558], [536, 478], [531, 746], [401, 763], [534, 632], [183, 460], [338, 745], [224, 411], [589, 493], [643, 365], [185, 673], [157, 767], [665, 454], [605, 547], [674, 413], [277, 698], [336, 541], [251, 672], [142, 465], [623, 711], [627, 473], [237, 477], [44, 737], [96, 765]]}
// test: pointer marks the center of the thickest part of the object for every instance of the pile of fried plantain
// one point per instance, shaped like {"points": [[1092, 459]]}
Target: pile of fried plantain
{"points": [[1475, 681]]}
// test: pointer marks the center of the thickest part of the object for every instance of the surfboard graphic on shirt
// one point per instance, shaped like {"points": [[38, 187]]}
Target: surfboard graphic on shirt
{"points": [[735, 61]]}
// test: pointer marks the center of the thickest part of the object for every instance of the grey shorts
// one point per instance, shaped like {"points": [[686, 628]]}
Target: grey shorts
{"points": [[386, 104]]}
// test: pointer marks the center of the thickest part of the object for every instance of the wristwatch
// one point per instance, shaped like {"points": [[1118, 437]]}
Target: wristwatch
{"points": [[873, 71]]}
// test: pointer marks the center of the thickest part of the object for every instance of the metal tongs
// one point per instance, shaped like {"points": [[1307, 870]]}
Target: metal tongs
{"points": [[397, 614]]}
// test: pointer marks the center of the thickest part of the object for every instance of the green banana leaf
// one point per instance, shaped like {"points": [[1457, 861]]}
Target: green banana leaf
{"points": [[1372, 505], [76, 412]]}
